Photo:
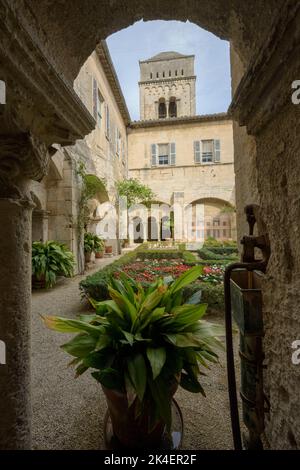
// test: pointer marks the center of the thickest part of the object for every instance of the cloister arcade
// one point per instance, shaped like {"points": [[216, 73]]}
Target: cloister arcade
{"points": [[42, 47]]}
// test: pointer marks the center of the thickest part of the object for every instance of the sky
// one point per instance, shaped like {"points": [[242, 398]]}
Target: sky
{"points": [[145, 39]]}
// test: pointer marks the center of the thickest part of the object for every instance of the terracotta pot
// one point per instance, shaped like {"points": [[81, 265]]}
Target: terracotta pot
{"points": [[134, 432], [99, 254], [108, 249], [87, 256]]}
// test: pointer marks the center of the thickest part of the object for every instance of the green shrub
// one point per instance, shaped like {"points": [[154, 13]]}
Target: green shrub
{"points": [[95, 285], [189, 258], [160, 254], [49, 260], [219, 262], [208, 254], [213, 242], [141, 342], [223, 250], [211, 254]]}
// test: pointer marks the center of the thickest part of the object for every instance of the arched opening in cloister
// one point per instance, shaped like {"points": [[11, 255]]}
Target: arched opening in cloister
{"points": [[41, 110]]}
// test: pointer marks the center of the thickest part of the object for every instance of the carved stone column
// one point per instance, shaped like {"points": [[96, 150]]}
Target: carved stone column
{"points": [[21, 159]]}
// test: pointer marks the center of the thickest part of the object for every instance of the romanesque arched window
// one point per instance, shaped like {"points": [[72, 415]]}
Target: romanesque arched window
{"points": [[162, 110], [173, 108]]}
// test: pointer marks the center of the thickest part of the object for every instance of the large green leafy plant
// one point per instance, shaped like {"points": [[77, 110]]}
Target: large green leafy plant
{"points": [[49, 260], [141, 341], [93, 243]]}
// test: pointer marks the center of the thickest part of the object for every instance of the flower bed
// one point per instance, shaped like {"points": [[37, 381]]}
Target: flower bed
{"points": [[145, 270], [149, 271], [213, 274]]}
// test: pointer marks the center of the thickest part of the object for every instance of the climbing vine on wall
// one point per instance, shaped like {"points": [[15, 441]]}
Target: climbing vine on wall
{"points": [[91, 186]]}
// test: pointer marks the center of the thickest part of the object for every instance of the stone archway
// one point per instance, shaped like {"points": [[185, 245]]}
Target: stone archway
{"points": [[41, 109], [215, 219]]}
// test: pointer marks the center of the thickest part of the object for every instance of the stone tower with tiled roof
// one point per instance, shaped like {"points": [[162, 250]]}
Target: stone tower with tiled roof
{"points": [[167, 86]]}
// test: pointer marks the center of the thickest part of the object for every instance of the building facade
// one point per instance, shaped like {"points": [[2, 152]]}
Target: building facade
{"points": [[167, 86], [185, 158], [103, 153]]}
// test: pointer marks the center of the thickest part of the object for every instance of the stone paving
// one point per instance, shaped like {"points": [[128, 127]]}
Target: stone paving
{"points": [[68, 413]]}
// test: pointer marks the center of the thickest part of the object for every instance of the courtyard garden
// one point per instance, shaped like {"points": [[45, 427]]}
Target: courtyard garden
{"points": [[118, 350], [146, 264]]}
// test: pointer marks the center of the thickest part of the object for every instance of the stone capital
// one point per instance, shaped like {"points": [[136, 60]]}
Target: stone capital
{"points": [[22, 156]]}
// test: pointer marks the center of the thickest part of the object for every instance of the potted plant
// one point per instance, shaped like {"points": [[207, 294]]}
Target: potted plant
{"points": [[108, 249], [98, 247], [50, 260], [89, 246], [125, 243], [142, 344]]}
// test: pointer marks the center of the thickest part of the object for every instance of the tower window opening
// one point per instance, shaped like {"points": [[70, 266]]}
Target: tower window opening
{"points": [[175, 73], [157, 74], [170, 73], [163, 74], [151, 75], [172, 108], [182, 72], [162, 110]]}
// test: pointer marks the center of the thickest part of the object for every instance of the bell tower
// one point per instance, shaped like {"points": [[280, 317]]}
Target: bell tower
{"points": [[167, 86]]}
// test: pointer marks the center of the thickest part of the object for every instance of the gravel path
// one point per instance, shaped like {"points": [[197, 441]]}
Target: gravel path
{"points": [[69, 413]]}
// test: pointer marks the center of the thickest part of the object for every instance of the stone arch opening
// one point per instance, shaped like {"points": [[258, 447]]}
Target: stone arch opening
{"points": [[152, 229], [66, 43], [162, 108], [212, 218], [138, 230], [39, 220], [173, 107]]}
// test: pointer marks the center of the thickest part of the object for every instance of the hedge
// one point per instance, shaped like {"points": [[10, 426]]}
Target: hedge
{"points": [[95, 285], [159, 254], [212, 294], [223, 250], [209, 254]]}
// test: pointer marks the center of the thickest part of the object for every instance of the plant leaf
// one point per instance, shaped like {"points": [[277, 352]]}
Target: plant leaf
{"points": [[157, 359], [109, 378], [138, 374], [187, 278], [195, 299], [81, 345]]}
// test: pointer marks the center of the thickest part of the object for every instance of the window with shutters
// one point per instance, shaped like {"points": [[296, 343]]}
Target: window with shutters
{"points": [[163, 154], [107, 122], [118, 142], [197, 151], [100, 102], [207, 151]]}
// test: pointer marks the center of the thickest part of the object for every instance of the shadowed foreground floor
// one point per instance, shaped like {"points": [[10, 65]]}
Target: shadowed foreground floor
{"points": [[69, 413]]}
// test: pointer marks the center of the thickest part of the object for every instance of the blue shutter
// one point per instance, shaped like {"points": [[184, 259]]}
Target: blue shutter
{"points": [[107, 122], [197, 151], [172, 153], [153, 154], [95, 98], [217, 146]]}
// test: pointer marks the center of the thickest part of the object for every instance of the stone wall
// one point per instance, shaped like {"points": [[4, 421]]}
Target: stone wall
{"points": [[196, 181], [167, 79]]}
